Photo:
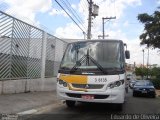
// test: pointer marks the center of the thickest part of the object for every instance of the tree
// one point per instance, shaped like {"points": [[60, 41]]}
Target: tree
{"points": [[138, 71], [151, 34], [155, 72], [143, 72]]}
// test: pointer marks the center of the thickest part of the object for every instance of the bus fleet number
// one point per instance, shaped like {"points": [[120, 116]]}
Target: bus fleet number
{"points": [[101, 80]]}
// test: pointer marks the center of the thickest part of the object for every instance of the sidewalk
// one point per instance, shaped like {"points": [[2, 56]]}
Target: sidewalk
{"points": [[15, 103], [158, 93]]}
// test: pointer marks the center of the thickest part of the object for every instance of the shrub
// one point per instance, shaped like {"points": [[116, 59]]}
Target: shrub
{"points": [[156, 83]]}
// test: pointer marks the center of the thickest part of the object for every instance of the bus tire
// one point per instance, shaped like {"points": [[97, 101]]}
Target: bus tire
{"points": [[134, 94], [118, 107], [126, 89], [70, 103]]}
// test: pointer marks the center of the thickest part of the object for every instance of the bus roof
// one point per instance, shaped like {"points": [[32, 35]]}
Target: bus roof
{"points": [[98, 40]]}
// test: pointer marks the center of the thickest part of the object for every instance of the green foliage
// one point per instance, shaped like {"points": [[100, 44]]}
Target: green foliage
{"points": [[156, 83], [138, 71], [151, 34], [154, 72], [141, 71]]}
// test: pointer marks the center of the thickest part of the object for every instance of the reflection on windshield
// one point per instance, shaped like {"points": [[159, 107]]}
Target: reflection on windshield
{"points": [[107, 54], [144, 83]]}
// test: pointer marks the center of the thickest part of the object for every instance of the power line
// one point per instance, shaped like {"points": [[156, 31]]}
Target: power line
{"points": [[114, 8], [74, 13], [101, 2], [69, 9], [85, 5], [82, 6], [69, 16], [125, 21]]}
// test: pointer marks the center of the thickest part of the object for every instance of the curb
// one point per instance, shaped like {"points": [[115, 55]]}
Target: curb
{"points": [[28, 112], [25, 115], [40, 109], [158, 93]]}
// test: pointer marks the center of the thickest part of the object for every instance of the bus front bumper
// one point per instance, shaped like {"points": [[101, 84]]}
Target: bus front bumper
{"points": [[108, 96]]}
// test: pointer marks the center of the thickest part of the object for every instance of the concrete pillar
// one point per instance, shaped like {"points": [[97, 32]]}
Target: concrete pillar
{"points": [[44, 45]]}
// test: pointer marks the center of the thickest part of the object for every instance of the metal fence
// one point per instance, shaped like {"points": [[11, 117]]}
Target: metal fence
{"points": [[21, 50]]}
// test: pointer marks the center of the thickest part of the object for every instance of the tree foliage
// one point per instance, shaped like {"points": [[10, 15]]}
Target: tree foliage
{"points": [[140, 71], [151, 34], [155, 72]]}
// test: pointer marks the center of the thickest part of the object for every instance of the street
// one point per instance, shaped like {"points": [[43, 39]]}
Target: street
{"points": [[88, 111]]}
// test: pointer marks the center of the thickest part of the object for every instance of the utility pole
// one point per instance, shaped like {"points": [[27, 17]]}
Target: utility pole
{"points": [[84, 35], [143, 63], [93, 11], [143, 57], [148, 62], [89, 19], [103, 24]]}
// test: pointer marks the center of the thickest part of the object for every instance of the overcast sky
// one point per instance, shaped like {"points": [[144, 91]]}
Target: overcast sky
{"points": [[126, 27]]}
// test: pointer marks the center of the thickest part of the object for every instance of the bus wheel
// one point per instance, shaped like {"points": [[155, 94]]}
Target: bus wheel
{"points": [[120, 107], [134, 94], [127, 90], [70, 103]]}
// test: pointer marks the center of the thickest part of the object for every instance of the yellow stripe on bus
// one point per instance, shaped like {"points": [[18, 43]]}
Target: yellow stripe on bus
{"points": [[78, 79], [76, 89]]}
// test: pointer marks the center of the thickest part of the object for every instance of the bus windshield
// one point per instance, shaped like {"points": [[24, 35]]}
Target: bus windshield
{"points": [[105, 53]]}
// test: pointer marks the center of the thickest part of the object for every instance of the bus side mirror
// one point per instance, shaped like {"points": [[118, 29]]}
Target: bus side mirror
{"points": [[127, 54]]}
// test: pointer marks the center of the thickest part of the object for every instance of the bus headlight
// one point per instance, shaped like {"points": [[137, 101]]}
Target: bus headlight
{"points": [[111, 85], [61, 82], [64, 84], [115, 84]]}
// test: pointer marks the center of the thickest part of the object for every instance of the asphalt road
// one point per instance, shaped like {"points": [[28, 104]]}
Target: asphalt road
{"points": [[134, 108]]}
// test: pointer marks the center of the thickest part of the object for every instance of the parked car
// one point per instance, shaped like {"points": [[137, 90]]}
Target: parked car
{"points": [[129, 76], [132, 83], [144, 87]]}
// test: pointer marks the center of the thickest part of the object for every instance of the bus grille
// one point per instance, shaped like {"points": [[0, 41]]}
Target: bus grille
{"points": [[88, 86], [76, 95]]}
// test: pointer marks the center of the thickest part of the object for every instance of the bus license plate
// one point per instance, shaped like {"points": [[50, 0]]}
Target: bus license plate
{"points": [[88, 97]]}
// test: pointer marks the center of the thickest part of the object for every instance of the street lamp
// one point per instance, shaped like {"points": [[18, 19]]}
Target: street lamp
{"points": [[143, 64], [100, 36], [103, 33], [148, 61], [143, 57]]}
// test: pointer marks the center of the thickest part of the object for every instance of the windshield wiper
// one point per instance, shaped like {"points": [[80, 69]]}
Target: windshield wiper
{"points": [[65, 68], [87, 58], [98, 65], [78, 63]]}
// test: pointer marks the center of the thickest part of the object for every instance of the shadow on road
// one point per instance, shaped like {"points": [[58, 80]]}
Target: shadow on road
{"points": [[95, 108]]}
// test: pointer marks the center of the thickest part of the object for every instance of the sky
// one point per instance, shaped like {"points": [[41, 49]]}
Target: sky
{"points": [[48, 15]]}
